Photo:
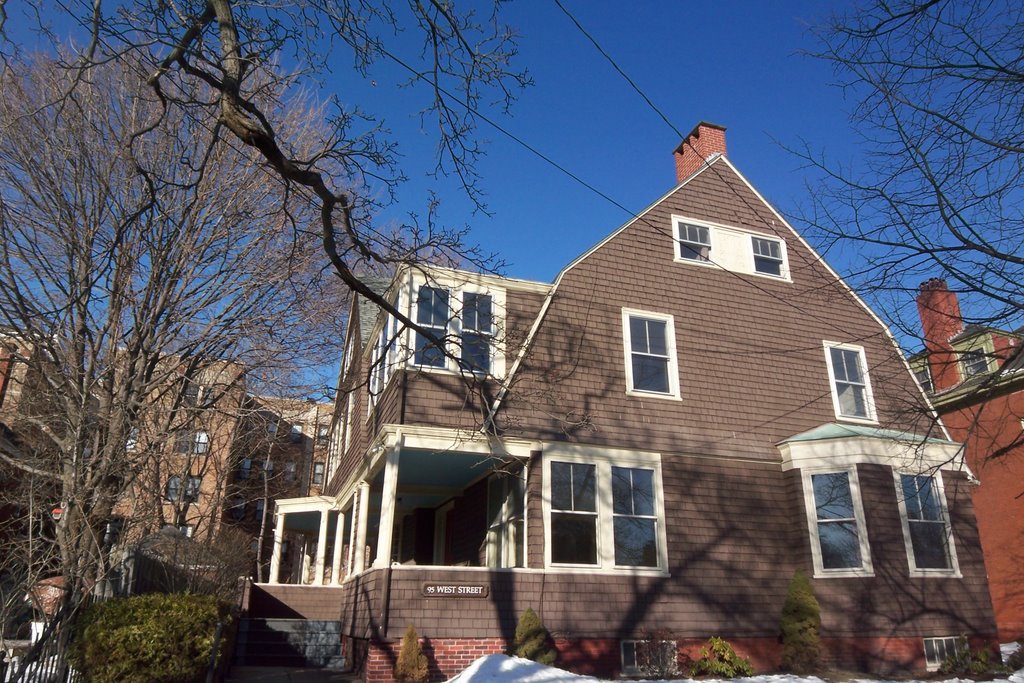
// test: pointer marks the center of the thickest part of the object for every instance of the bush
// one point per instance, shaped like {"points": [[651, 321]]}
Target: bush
{"points": [[533, 640], [657, 655], [801, 621], [968, 662], [718, 659], [157, 638], [411, 666]]}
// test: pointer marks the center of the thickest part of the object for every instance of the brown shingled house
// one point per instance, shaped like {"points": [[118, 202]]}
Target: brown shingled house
{"points": [[694, 410]]}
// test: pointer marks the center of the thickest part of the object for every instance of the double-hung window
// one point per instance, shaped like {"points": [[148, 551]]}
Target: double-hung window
{"points": [[634, 517], [433, 312], [605, 512], [505, 530], [693, 242], [192, 485], [767, 256], [201, 443], [851, 389], [573, 513], [835, 514], [477, 331], [173, 489], [649, 342], [926, 528], [975, 362]]}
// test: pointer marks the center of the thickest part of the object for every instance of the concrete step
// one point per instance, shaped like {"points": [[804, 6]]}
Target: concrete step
{"points": [[273, 674]]}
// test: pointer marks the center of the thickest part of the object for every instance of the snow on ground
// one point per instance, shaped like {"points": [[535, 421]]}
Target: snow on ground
{"points": [[504, 669]]}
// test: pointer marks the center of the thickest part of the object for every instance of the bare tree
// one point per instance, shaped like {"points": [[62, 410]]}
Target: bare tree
{"points": [[140, 259], [938, 87]]}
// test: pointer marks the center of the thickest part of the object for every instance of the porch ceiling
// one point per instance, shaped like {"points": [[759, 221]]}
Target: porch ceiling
{"points": [[427, 479]]}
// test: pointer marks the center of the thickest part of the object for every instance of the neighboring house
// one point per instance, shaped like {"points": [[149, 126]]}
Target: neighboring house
{"points": [[975, 377], [697, 408]]}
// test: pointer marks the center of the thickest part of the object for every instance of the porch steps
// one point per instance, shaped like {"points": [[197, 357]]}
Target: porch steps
{"points": [[297, 643]]}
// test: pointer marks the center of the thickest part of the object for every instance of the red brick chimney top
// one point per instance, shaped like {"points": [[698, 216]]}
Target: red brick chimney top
{"points": [[703, 142], [933, 284]]}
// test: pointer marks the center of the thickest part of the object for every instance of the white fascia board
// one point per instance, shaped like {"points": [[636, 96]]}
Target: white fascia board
{"points": [[903, 455], [441, 439], [306, 504]]}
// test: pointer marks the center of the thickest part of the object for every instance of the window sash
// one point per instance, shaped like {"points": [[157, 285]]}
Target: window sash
{"points": [[505, 531], [173, 490], [839, 538], [927, 524], [849, 382], [975, 362], [201, 443], [433, 312], [649, 354], [694, 242], [767, 256]]}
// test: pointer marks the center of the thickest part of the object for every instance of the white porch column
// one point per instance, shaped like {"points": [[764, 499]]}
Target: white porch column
{"points": [[359, 549], [387, 509], [321, 547], [339, 540], [275, 557]]}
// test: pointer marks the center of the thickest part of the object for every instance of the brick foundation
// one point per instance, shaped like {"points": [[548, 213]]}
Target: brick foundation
{"points": [[601, 656]]}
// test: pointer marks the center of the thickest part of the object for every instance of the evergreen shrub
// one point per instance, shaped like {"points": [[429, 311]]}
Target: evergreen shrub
{"points": [[148, 638], [801, 622], [411, 666], [533, 641], [720, 660]]}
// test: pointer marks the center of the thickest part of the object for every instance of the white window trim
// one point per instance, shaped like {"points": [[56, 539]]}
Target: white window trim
{"points": [[717, 261], [954, 564], [934, 665], [678, 221], [604, 460], [783, 265], [869, 396], [670, 344], [866, 568], [456, 289]]}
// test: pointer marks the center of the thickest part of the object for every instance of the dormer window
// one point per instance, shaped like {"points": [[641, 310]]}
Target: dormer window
{"points": [[693, 242], [924, 378], [974, 362]]}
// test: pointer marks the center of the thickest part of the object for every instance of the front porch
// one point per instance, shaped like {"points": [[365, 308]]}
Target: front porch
{"points": [[427, 497]]}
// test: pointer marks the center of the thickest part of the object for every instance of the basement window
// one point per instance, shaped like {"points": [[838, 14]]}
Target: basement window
{"points": [[937, 650]]}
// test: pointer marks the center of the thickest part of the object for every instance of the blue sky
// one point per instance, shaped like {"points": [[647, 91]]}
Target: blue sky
{"points": [[735, 64]]}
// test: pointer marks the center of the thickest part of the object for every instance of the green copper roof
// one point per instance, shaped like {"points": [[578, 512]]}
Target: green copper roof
{"points": [[834, 430]]}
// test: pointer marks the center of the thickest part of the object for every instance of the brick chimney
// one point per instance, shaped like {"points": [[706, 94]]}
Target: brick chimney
{"points": [[703, 142], [940, 321]]}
